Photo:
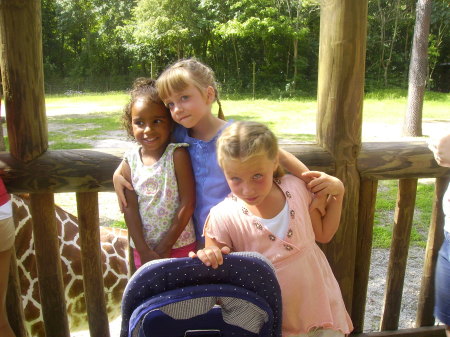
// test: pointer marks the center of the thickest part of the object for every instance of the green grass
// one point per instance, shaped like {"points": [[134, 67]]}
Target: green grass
{"points": [[83, 129], [388, 106], [100, 99], [384, 213], [292, 120], [119, 224]]}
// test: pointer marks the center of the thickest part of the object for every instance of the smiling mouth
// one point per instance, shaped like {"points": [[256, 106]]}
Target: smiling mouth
{"points": [[183, 118], [149, 140]]}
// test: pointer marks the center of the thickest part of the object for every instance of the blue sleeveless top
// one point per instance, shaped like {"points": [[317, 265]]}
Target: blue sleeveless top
{"points": [[210, 183]]}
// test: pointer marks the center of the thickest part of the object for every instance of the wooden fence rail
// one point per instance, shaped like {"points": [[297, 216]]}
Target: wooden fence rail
{"points": [[91, 170]]}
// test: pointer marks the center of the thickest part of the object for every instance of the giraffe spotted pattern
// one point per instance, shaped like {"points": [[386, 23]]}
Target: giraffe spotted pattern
{"points": [[114, 247]]}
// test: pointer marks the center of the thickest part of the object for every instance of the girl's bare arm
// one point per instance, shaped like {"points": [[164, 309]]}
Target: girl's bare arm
{"points": [[290, 162], [120, 185], [326, 226]]}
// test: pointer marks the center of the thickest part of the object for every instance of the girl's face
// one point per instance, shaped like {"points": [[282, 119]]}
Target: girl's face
{"points": [[250, 180], [152, 125], [190, 105]]}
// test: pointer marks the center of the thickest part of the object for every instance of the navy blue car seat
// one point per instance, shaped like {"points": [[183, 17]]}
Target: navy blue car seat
{"points": [[182, 297]]}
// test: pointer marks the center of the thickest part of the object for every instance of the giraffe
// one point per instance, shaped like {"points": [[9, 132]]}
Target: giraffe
{"points": [[114, 247]]}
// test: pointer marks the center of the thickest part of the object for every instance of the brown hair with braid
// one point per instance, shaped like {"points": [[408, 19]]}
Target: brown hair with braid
{"points": [[181, 74]]}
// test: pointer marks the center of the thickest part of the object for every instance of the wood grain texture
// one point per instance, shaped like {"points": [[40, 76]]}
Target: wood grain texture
{"points": [[366, 212], [62, 171], [48, 263], [14, 300], [91, 170], [343, 25], [434, 331], [401, 233], [88, 220], [396, 160], [23, 77]]}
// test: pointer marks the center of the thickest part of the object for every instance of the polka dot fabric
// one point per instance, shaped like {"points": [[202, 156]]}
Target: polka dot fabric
{"points": [[250, 271]]}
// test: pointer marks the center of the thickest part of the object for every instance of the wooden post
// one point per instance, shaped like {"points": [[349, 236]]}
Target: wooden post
{"points": [[23, 84], [367, 198], [14, 306], [23, 77], [404, 212], [425, 305], [48, 263], [88, 220], [339, 121]]}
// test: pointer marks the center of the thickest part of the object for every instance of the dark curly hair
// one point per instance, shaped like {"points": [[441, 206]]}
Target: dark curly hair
{"points": [[142, 88]]}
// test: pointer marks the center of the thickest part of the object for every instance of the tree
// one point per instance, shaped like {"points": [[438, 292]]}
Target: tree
{"points": [[439, 46], [418, 70]]}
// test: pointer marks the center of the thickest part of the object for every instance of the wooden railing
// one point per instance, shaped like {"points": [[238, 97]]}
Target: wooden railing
{"points": [[87, 172]]}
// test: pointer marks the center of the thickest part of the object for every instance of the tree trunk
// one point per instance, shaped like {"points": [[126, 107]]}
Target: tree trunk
{"points": [[294, 61], [387, 63], [295, 45], [412, 124], [236, 59]]}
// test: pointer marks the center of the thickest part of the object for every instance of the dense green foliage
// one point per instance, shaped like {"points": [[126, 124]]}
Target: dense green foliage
{"points": [[266, 46]]}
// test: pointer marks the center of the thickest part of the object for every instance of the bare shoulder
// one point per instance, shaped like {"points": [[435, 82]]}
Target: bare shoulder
{"points": [[181, 154]]}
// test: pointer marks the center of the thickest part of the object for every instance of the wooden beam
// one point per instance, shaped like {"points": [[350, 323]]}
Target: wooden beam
{"points": [[366, 213], [91, 170], [91, 259], [48, 262], [403, 218], [339, 120], [23, 77], [314, 156], [398, 160], [62, 171], [434, 331], [14, 306]]}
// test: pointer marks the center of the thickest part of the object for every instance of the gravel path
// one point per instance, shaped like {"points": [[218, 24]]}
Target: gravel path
{"points": [[377, 284]]}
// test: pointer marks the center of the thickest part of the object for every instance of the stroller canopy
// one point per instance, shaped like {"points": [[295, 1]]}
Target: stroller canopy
{"points": [[183, 297]]}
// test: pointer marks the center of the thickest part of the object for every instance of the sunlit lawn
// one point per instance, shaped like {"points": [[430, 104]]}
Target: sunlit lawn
{"points": [[291, 120]]}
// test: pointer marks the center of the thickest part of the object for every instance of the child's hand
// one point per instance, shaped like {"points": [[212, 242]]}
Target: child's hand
{"points": [[323, 184], [120, 183], [148, 255], [440, 146], [211, 256], [162, 252]]}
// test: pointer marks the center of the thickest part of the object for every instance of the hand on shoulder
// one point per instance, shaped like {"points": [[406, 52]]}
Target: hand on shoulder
{"points": [[440, 146], [324, 184]]}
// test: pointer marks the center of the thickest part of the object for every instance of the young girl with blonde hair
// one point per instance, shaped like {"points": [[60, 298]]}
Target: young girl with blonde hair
{"points": [[269, 212]]}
